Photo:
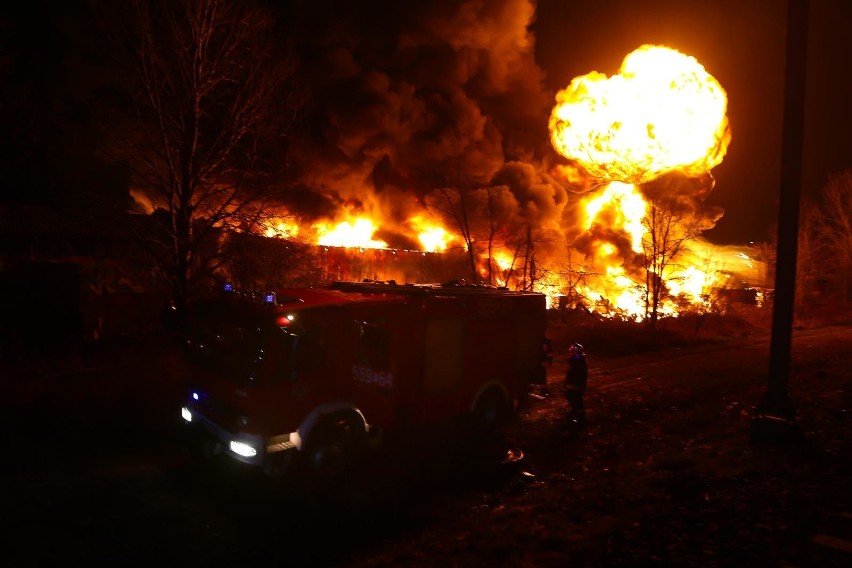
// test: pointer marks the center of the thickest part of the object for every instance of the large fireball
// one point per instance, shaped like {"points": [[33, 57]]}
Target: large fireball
{"points": [[661, 112], [662, 117]]}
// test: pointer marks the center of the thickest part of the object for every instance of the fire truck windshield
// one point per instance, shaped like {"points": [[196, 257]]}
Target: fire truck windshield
{"points": [[240, 348]]}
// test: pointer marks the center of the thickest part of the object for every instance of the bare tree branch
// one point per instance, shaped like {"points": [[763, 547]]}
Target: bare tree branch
{"points": [[205, 85]]}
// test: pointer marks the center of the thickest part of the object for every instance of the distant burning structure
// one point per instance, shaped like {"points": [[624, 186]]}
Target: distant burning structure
{"points": [[638, 143], [402, 266], [440, 192]]}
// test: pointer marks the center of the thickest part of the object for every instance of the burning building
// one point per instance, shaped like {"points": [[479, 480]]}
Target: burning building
{"points": [[431, 140], [617, 226]]}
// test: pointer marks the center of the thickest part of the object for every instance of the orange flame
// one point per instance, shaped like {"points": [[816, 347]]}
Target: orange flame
{"points": [[355, 233], [626, 204], [504, 263], [281, 228], [432, 236], [662, 112]]}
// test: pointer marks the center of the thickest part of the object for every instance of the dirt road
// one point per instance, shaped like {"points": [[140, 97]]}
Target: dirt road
{"points": [[663, 473]]}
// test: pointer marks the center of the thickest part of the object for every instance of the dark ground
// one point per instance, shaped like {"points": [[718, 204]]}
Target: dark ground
{"points": [[665, 472]]}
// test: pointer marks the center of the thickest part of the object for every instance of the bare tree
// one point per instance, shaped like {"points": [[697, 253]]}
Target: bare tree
{"points": [[502, 233], [830, 222], [573, 279], [208, 97], [764, 252], [668, 225], [528, 276], [492, 227], [486, 218], [519, 250], [454, 204], [260, 263]]}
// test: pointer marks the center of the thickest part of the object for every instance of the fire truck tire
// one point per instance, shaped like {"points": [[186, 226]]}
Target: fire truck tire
{"points": [[334, 444], [491, 411]]}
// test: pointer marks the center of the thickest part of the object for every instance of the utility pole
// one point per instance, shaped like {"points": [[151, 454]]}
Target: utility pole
{"points": [[776, 414]]}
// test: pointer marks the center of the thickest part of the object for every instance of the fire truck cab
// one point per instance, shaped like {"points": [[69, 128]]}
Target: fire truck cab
{"points": [[314, 374]]}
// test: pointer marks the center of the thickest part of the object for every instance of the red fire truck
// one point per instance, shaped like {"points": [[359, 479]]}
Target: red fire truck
{"points": [[316, 374]]}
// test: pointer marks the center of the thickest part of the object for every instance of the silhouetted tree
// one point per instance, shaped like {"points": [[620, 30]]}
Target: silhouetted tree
{"points": [[669, 223], [456, 203], [208, 100], [453, 203], [829, 222], [483, 215], [254, 262], [764, 252]]}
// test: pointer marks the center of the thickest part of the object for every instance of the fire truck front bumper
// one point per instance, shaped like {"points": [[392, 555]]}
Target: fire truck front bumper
{"points": [[273, 454]]}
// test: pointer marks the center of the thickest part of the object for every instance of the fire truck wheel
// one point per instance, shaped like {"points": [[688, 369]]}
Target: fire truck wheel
{"points": [[490, 412], [333, 444]]}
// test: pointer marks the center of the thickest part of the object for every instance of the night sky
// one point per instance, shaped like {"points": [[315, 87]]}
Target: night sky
{"points": [[742, 44], [397, 88]]}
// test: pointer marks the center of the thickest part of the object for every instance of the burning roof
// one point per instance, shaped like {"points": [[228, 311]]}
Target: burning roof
{"points": [[434, 135]]}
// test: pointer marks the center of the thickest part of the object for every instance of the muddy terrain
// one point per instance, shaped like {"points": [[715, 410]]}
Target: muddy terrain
{"points": [[666, 471]]}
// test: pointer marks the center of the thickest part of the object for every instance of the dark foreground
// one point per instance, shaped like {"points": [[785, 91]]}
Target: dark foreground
{"points": [[664, 472]]}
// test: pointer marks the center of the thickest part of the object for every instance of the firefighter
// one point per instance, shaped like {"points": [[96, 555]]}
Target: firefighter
{"points": [[575, 381]]}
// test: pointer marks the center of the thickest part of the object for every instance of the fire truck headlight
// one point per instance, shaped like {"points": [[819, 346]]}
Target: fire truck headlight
{"points": [[186, 414], [242, 449]]}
